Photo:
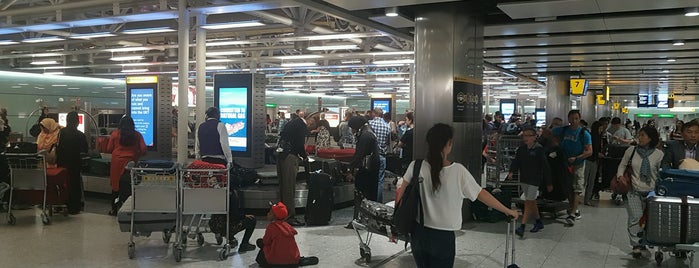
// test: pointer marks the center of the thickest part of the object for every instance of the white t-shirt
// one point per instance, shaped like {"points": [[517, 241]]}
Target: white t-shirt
{"points": [[442, 208]]}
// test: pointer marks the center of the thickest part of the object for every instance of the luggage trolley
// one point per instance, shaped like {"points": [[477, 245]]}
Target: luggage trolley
{"points": [[202, 192], [374, 218], [501, 152], [27, 172], [153, 190]]}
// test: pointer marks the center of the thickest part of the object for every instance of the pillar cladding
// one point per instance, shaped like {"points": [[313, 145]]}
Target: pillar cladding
{"points": [[557, 97], [448, 78], [588, 105]]}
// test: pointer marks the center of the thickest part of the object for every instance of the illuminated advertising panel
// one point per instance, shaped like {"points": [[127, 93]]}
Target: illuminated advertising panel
{"points": [[384, 104], [142, 110], [233, 103], [63, 122]]}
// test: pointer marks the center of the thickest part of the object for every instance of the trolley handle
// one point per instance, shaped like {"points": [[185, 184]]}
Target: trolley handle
{"points": [[132, 166]]}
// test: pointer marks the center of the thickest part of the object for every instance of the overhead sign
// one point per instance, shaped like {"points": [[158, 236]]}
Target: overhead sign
{"points": [[601, 100], [141, 79], [666, 116], [578, 87], [617, 105], [625, 110], [644, 115]]}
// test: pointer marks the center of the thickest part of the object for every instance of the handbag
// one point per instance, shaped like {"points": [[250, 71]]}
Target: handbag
{"points": [[622, 184]]}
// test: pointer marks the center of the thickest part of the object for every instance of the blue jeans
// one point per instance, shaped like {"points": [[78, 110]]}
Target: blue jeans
{"points": [[433, 248], [382, 172]]}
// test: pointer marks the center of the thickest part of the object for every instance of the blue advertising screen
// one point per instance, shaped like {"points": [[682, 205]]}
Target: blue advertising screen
{"points": [[142, 111], [233, 103], [384, 104]]}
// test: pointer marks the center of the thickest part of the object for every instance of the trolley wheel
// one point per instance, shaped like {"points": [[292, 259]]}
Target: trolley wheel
{"points": [[223, 254], [45, 219], [51, 208], [366, 254], [12, 220], [658, 257], [132, 250], [177, 252], [219, 239], [200, 239], [167, 234]]}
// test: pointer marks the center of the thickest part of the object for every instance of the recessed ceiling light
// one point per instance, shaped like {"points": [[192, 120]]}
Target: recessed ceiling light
{"points": [[350, 61], [334, 47], [88, 36], [127, 49], [391, 12], [319, 80], [691, 11], [149, 30], [59, 85], [44, 62], [405, 61], [666, 71], [299, 64], [678, 43], [126, 58], [219, 67], [224, 53], [671, 60], [42, 39], [234, 24], [8, 42], [135, 71], [299, 57]]}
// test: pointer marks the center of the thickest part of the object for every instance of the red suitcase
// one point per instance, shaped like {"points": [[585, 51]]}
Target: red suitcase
{"points": [[342, 155], [56, 189]]}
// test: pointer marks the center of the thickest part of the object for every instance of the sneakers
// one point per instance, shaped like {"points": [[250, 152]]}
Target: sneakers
{"points": [[570, 220], [305, 261], [520, 231], [578, 216], [246, 247], [537, 227]]}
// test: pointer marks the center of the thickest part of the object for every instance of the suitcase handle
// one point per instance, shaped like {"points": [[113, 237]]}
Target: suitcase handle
{"points": [[510, 238]]}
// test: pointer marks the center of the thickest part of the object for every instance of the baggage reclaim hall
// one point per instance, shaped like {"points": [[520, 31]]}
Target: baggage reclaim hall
{"points": [[303, 70]]}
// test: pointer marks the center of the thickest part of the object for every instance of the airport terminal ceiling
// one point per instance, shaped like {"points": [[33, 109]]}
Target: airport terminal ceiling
{"points": [[353, 49]]}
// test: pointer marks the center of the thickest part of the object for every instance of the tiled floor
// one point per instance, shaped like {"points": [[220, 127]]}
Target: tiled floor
{"points": [[92, 239]]}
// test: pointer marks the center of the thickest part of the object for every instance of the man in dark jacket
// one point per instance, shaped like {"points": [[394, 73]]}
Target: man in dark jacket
{"points": [[291, 150], [71, 143], [365, 162], [676, 151]]}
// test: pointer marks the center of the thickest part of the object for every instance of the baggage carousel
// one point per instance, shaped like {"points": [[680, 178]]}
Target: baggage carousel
{"points": [[259, 196]]}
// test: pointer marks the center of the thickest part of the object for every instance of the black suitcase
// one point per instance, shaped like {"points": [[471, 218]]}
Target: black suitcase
{"points": [[327, 166], [321, 198], [481, 212], [22, 147], [561, 178], [678, 182], [155, 163], [608, 169]]}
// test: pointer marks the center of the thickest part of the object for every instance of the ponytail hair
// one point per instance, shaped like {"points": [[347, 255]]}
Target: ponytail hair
{"points": [[437, 138]]}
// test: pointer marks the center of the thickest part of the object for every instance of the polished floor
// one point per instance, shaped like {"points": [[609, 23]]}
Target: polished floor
{"points": [[92, 239]]}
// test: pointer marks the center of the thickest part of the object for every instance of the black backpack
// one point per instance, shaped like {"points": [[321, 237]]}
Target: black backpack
{"points": [[410, 204]]}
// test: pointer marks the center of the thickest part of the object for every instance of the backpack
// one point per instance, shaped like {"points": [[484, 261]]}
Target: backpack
{"points": [[410, 204]]}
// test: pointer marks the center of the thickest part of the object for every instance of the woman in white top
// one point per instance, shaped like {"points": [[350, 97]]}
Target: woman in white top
{"points": [[645, 165], [444, 186]]}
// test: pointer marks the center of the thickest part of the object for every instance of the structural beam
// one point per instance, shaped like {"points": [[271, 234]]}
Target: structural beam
{"points": [[515, 74]]}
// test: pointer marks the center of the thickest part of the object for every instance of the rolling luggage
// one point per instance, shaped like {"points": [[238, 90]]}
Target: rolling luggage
{"points": [[394, 164], [327, 166], [155, 163], [561, 178], [678, 182], [144, 222], [510, 245], [56, 189], [99, 166], [377, 217], [342, 155], [672, 220], [321, 198], [481, 212], [22, 147]]}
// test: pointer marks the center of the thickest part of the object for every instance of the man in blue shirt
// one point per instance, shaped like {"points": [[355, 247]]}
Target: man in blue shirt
{"points": [[576, 142]]}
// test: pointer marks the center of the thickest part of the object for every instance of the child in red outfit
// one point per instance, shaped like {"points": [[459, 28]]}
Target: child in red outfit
{"points": [[278, 246]]}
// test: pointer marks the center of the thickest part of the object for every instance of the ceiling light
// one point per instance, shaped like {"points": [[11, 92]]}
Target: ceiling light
{"points": [[666, 71], [405, 61], [53, 73], [350, 61], [691, 11], [219, 67], [334, 47], [88, 36], [299, 64], [59, 85], [149, 30], [392, 12], [133, 64], [127, 49], [233, 24], [299, 57], [224, 53], [44, 62], [492, 83], [42, 39], [126, 58], [319, 80], [218, 60], [678, 43], [46, 55], [389, 79], [354, 85], [8, 42], [671, 60], [293, 85], [134, 71]]}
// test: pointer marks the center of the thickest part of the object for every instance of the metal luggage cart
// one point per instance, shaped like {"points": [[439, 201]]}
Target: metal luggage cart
{"points": [[202, 192], [501, 151], [153, 190], [369, 222], [28, 172]]}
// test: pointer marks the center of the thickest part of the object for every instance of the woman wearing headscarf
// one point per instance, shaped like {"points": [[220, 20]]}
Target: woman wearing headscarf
{"points": [[645, 162], [47, 139], [71, 143], [126, 145]]}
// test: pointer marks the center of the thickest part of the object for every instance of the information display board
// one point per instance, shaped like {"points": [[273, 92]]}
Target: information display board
{"points": [[333, 119], [384, 104], [507, 108], [233, 104], [540, 116], [142, 110], [63, 122]]}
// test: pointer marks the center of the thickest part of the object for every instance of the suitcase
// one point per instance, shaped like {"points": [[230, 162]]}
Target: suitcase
{"points": [[144, 222], [672, 220], [342, 155], [56, 189], [327, 166], [482, 212], [321, 198], [99, 166], [101, 143], [561, 178], [510, 244], [377, 217], [22, 147], [608, 171], [677, 182], [156, 163], [394, 164]]}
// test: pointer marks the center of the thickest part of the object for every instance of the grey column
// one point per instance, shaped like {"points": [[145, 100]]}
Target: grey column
{"points": [[183, 87], [201, 70], [588, 109], [448, 44], [557, 97]]}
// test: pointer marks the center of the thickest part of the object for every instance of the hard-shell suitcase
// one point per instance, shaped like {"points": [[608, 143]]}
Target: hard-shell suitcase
{"points": [[56, 189], [155, 163], [672, 220], [678, 182], [321, 198], [327, 166], [377, 217], [22, 147]]}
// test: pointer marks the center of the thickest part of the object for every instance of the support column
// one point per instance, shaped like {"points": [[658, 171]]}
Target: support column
{"points": [[588, 109], [183, 82], [201, 70], [449, 62], [557, 96]]}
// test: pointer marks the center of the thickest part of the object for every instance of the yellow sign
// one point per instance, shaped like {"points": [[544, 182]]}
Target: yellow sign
{"points": [[601, 100], [141, 79], [606, 93], [577, 86], [617, 105], [625, 110], [671, 95]]}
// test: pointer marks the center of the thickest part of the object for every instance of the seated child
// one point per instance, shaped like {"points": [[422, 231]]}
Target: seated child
{"points": [[278, 246]]}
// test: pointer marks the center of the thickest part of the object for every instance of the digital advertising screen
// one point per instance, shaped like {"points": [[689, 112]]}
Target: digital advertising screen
{"points": [[63, 122], [384, 104], [142, 110], [540, 116], [663, 100], [233, 104], [507, 108], [333, 119]]}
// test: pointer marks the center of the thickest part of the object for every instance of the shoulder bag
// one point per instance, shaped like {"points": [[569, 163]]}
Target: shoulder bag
{"points": [[622, 184]]}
